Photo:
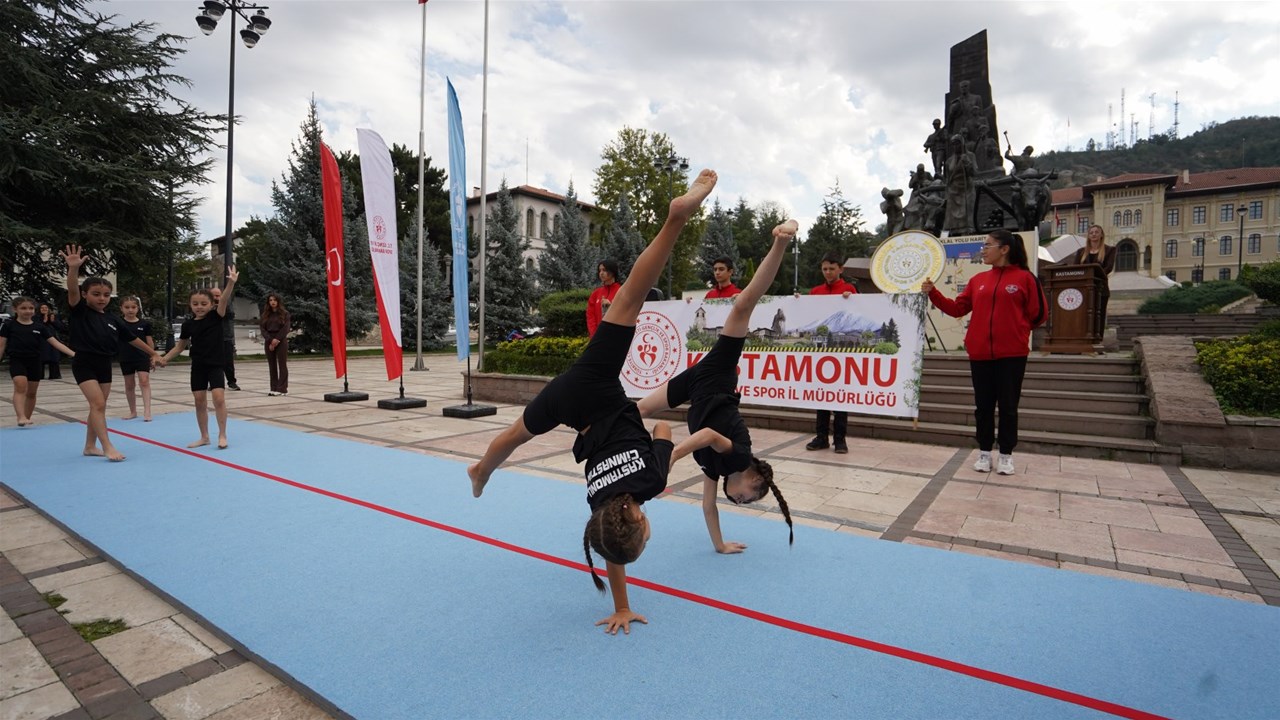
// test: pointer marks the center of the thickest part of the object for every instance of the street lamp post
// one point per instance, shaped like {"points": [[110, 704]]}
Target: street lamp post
{"points": [[671, 165], [1200, 254], [211, 11], [1240, 254]]}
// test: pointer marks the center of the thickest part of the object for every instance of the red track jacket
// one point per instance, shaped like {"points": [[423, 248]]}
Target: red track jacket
{"points": [[1007, 303], [594, 312]]}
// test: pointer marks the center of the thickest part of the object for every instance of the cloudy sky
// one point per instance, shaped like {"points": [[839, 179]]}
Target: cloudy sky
{"points": [[784, 98]]}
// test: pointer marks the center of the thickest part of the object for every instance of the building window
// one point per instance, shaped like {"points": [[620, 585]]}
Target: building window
{"points": [[1198, 215], [1082, 225], [542, 226], [1224, 273], [1115, 219], [528, 223], [1227, 213], [1224, 245], [1061, 227], [1197, 275], [1128, 218], [1171, 248], [1255, 209], [1197, 247], [1137, 217], [528, 265], [1172, 217], [1172, 275], [1255, 243], [1146, 257], [555, 224]]}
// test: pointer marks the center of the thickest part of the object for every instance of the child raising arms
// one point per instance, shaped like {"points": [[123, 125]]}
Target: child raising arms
{"points": [[23, 337], [718, 437], [136, 364], [624, 466], [203, 333], [95, 337]]}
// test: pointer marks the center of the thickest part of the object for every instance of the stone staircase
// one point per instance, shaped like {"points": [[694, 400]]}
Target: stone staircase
{"points": [[1078, 406], [1129, 327]]}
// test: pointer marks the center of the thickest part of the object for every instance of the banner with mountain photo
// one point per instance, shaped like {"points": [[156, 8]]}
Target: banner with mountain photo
{"points": [[861, 354]]}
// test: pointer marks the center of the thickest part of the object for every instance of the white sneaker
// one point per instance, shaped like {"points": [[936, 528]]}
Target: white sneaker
{"points": [[983, 464], [273, 393], [1005, 465]]}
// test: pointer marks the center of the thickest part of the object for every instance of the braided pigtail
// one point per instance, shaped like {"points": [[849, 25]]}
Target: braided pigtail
{"points": [[586, 548], [765, 471]]}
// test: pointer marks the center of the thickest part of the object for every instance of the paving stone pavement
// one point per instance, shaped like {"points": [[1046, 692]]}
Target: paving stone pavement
{"points": [[1209, 531]]}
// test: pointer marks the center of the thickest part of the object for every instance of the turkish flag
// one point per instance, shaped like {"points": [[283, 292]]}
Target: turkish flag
{"points": [[331, 188]]}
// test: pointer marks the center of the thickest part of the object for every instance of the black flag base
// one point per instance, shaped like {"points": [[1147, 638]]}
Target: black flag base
{"points": [[345, 396], [469, 411], [401, 403]]}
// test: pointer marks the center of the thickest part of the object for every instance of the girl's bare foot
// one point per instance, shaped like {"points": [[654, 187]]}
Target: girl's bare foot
{"points": [[129, 417], [93, 452], [114, 455], [199, 443], [222, 443], [23, 422], [477, 481], [687, 204], [146, 418], [786, 230]]}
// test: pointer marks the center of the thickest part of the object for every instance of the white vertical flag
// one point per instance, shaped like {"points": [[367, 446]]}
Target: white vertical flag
{"points": [[380, 214]]}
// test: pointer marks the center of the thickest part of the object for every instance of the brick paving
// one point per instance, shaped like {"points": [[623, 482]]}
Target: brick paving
{"points": [[1208, 531]]}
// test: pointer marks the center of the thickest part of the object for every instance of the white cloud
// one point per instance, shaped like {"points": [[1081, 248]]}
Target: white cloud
{"points": [[782, 98]]}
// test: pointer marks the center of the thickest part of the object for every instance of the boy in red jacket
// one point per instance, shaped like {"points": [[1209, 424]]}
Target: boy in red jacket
{"points": [[1007, 303], [832, 284]]}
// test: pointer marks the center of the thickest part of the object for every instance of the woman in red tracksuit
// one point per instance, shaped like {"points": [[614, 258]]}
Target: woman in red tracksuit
{"points": [[1007, 303], [602, 296]]}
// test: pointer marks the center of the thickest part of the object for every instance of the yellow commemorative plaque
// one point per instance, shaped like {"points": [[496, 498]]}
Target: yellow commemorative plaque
{"points": [[905, 260]]}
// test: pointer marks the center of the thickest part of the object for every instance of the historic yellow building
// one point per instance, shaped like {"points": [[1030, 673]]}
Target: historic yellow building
{"points": [[1187, 227]]}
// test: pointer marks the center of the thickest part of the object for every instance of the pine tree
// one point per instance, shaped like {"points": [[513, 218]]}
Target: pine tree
{"points": [[840, 228], [437, 306], [622, 241], [567, 262], [285, 253], [508, 288], [717, 242], [95, 148]]}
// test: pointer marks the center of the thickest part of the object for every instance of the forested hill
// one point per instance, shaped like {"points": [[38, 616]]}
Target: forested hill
{"points": [[1245, 142]]}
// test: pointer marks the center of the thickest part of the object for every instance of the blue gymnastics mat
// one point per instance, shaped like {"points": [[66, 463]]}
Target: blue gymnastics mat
{"points": [[373, 578]]}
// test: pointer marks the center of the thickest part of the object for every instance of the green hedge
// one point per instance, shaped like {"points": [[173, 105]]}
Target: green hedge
{"points": [[547, 356], [1263, 280], [564, 314], [1244, 371], [1194, 299]]}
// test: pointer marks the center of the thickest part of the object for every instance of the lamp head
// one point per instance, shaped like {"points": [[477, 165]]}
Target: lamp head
{"points": [[260, 22], [214, 9], [249, 37], [206, 22]]}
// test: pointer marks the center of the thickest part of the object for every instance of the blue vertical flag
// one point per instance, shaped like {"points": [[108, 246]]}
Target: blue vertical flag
{"points": [[458, 222]]}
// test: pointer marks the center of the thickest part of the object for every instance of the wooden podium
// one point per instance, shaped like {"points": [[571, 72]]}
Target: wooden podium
{"points": [[1074, 293]]}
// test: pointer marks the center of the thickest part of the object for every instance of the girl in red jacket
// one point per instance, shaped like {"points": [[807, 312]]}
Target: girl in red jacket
{"points": [[1007, 303]]}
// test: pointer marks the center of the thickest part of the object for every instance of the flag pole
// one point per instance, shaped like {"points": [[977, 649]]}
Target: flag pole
{"points": [[484, 153], [422, 111]]}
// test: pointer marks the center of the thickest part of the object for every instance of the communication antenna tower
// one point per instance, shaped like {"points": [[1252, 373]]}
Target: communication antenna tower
{"points": [[1122, 128], [1111, 130], [1151, 121], [1175, 114]]}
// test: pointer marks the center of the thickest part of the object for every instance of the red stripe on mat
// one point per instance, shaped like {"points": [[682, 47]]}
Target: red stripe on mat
{"points": [[892, 650]]}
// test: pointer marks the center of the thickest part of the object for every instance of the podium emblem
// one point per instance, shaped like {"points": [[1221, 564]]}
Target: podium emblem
{"points": [[1070, 299]]}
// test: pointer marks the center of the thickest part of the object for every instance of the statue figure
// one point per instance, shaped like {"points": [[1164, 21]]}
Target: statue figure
{"points": [[962, 188], [1031, 199], [1023, 164], [987, 153], [936, 146], [919, 179], [964, 114], [891, 206]]}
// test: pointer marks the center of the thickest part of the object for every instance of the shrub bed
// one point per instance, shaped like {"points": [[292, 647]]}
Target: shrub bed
{"points": [[547, 356], [564, 314], [1244, 372], [1194, 299]]}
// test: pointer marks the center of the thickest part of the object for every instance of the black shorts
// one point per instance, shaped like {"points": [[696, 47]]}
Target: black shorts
{"points": [[129, 367], [27, 367], [715, 374], [86, 367], [590, 389], [206, 377]]}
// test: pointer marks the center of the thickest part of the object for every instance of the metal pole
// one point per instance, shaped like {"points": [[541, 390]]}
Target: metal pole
{"points": [[484, 149], [422, 109], [1240, 255], [228, 244], [671, 191]]}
